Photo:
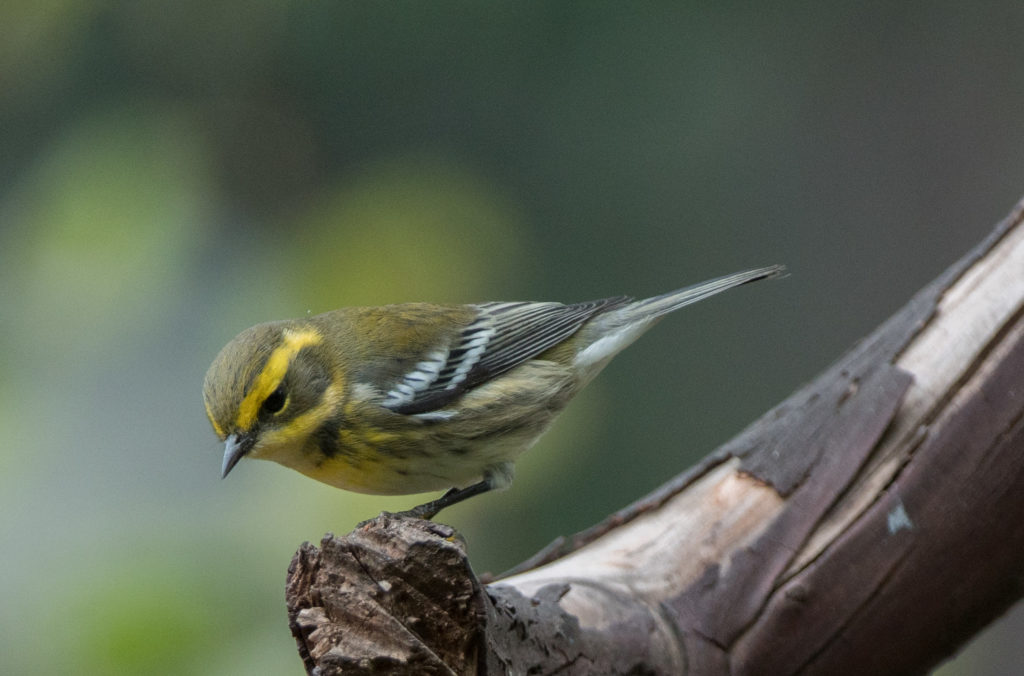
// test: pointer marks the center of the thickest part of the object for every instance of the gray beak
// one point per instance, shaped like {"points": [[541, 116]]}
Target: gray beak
{"points": [[235, 448]]}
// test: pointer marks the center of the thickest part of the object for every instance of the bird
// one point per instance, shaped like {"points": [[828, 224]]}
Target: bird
{"points": [[418, 397]]}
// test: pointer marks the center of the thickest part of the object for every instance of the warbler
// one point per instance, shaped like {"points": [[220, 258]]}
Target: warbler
{"points": [[417, 397]]}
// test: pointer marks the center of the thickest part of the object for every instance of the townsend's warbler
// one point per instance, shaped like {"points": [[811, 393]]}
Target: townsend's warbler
{"points": [[417, 397]]}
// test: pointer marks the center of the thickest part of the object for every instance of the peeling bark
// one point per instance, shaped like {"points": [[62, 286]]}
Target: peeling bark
{"points": [[870, 523]]}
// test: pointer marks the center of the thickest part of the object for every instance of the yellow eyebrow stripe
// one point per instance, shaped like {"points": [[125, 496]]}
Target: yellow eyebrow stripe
{"points": [[272, 374]]}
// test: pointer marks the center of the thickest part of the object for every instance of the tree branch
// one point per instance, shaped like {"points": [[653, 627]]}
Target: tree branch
{"points": [[871, 523]]}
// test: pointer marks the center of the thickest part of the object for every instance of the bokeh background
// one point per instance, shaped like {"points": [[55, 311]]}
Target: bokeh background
{"points": [[171, 173]]}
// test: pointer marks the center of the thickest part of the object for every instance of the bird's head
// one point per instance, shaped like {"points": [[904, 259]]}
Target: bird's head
{"points": [[268, 392]]}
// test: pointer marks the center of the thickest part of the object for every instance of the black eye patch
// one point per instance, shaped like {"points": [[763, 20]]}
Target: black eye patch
{"points": [[274, 402]]}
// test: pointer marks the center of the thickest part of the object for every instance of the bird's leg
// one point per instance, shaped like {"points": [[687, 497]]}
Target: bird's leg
{"points": [[429, 509]]}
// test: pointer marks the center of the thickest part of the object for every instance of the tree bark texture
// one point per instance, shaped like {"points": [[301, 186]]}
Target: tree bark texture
{"points": [[869, 524]]}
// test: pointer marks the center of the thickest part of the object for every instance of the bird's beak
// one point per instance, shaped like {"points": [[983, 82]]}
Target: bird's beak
{"points": [[235, 448]]}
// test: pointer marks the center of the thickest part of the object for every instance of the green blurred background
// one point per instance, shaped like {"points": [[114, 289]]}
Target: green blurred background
{"points": [[171, 173]]}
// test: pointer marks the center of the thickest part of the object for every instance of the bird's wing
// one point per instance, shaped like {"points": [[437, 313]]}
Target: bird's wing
{"points": [[502, 336]]}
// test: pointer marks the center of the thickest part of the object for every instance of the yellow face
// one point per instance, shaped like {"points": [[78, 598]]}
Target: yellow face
{"points": [[269, 391]]}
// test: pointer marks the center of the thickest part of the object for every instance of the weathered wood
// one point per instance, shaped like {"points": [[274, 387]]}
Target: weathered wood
{"points": [[871, 523], [394, 596]]}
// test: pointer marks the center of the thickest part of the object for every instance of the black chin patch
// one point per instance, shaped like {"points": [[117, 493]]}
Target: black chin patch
{"points": [[326, 438]]}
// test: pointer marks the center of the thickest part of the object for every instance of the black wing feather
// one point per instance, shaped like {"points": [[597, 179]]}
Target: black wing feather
{"points": [[516, 332]]}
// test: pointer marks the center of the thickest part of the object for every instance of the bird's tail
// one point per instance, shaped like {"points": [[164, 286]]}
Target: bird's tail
{"points": [[652, 308], [610, 332]]}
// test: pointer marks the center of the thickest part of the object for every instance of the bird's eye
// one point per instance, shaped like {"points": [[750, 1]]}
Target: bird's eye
{"points": [[275, 401]]}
